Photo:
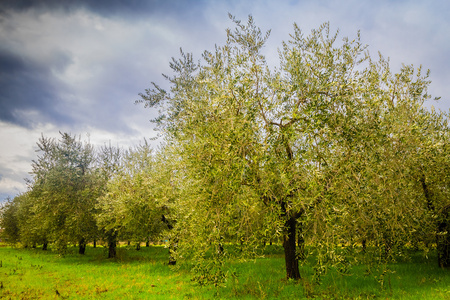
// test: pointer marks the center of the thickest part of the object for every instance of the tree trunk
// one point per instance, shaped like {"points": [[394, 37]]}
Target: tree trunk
{"points": [[301, 242], [290, 255], [45, 246], [82, 246], [95, 243], [443, 239], [138, 246], [443, 228], [289, 238], [112, 247]]}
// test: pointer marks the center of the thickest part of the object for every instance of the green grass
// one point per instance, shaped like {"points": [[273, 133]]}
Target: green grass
{"points": [[144, 274]]}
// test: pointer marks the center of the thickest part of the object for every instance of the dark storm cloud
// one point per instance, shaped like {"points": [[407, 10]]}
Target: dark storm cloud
{"points": [[104, 7], [28, 89], [34, 85]]}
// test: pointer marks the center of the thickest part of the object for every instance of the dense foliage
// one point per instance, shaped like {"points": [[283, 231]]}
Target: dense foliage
{"points": [[331, 148], [137, 198]]}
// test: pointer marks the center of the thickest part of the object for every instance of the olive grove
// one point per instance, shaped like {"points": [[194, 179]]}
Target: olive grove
{"points": [[332, 154]]}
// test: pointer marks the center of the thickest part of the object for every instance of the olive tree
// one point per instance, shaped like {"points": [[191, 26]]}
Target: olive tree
{"points": [[314, 145], [64, 190], [9, 220], [136, 200]]}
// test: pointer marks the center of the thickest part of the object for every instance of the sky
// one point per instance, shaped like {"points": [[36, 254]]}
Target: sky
{"points": [[78, 66]]}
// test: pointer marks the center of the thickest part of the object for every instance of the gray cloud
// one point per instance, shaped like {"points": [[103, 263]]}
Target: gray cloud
{"points": [[27, 87], [107, 8], [78, 63]]}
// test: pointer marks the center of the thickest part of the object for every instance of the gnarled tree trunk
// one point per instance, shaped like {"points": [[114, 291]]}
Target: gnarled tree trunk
{"points": [[300, 242], [82, 246], [290, 253], [443, 227], [112, 242], [443, 238]]}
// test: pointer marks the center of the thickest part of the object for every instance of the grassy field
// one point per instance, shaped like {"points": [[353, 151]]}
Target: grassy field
{"points": [[144, 274]]}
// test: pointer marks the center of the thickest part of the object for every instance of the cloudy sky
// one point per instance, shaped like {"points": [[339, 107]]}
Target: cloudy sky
{"points": [[78, 65]]}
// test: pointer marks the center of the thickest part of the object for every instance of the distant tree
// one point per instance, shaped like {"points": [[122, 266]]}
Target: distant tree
{"points": [[65, 189], [109, 164], [32, 230], [21, 223], [133, 205], [9, 221]]}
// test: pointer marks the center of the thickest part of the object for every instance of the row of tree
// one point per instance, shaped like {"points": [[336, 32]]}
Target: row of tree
{"points": [[330, 149], [78, 195]]}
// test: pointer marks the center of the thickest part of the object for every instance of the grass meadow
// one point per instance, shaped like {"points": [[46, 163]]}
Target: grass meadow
{"points": [[144, 274]]}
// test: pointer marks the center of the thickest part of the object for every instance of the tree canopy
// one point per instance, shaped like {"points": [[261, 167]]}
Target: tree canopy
{"points": [[332, 144], [64, 190]]}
